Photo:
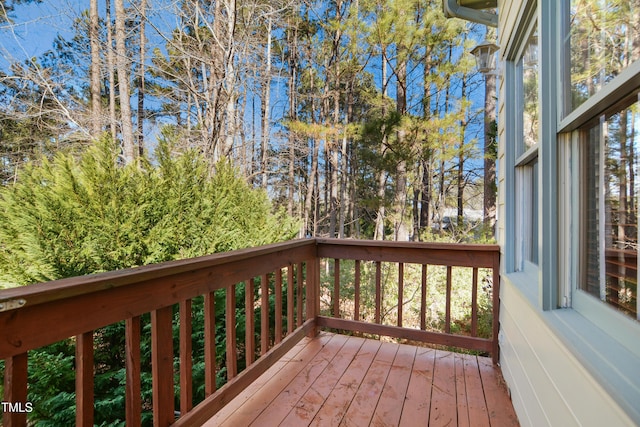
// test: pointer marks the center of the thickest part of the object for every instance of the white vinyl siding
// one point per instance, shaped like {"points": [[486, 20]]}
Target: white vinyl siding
{"points": [[561, 367]]}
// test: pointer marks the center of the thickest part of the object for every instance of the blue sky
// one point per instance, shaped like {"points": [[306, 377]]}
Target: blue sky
{"points": [[35, 26]]}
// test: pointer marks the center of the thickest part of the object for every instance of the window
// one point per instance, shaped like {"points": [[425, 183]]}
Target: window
{"points": [[610, 209], [527, 213], [601, 117], [526, 152], [602, 41], [528, 67]]}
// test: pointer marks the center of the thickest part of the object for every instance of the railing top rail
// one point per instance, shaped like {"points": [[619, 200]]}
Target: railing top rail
{"points": [[462, 247], [75, 286], [445, 254], [81, 285]]}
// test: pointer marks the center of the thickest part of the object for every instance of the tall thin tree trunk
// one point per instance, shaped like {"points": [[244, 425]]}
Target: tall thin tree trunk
{"points": [[425, 199], [460, 182], [336, 201], [425, 156], [94, 37], [213, 85], [141, 76], [122, 63], [230, 78], [401, 231], [355, 212], [111, 67], [265, 113], [292, 41], [381, 183], [460, 178], [344, 170], [244, 163], [334, 166], [311, 189], [489, 154], [309, 229]]}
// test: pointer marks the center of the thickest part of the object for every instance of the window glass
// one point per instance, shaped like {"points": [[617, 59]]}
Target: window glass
{"points": [[528, 124], [527, 214], [610, 246], [530, 114], [604, 39]]}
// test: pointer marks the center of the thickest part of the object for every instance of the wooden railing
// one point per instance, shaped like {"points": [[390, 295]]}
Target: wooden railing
{"points": [[289, 273], [424, 256]]}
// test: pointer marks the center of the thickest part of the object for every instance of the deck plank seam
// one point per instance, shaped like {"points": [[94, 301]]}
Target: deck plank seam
{"points": [[350, 341]]}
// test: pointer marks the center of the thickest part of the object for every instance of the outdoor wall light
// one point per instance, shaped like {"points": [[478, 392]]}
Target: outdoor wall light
{"points": [[485, 58]]}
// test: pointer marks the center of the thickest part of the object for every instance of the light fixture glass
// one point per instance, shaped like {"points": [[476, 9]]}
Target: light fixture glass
{"points": [[485, 56]]}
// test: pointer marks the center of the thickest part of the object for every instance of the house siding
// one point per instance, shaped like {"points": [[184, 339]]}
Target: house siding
{"points": [[549, 385]]}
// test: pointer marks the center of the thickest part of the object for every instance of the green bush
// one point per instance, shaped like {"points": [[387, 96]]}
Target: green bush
{"points": [[72, 216]]}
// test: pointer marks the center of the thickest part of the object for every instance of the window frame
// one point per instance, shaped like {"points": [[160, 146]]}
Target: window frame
{"points": [[539, 283], [524, 190], [605, 316], [571, 127]]}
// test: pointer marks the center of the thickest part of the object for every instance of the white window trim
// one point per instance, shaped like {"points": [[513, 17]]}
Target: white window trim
{"points": [[522, 185], [622, 328]]}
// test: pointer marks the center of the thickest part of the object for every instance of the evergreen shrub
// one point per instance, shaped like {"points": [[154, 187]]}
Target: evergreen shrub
{"points": [[77, 215]]}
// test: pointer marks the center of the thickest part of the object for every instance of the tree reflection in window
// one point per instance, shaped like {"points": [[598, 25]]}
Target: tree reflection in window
{"points": [[604, 38], [611, 202], [530, 119]]}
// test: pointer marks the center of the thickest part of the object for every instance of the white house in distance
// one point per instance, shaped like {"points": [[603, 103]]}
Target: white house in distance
{"points": [[569, 137]]}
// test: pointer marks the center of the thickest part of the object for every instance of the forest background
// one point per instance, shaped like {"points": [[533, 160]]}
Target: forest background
{"points": [[151, 130], [360, 118]]}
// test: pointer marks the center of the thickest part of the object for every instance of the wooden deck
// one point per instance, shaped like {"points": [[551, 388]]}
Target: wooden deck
{"points": [[326, 381], [337, 380]]}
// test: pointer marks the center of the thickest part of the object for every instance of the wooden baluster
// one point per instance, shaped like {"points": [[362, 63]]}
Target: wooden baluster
{"points": [[230, 326], [249, 323], [15, 389], [423, 299], [162, 366], [84, 379], [264, 314], [278, 296], [209, 343], [290, 295], [378, 291], [447, 316], [356, 296], [133, 396], [474, 303], [186, 361], [336, 288], [299, 296], [400, 292]]}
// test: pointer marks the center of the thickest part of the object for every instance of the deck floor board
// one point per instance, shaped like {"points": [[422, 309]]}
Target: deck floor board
{"points": [[336, 380]]}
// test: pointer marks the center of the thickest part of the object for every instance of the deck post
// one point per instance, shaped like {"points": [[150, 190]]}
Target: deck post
{"points": [[313, 293], [495, 352]]}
